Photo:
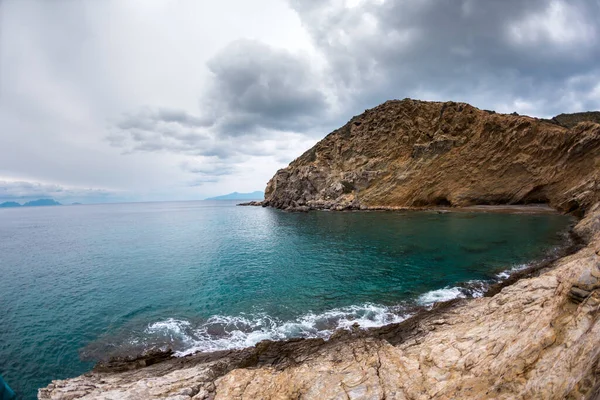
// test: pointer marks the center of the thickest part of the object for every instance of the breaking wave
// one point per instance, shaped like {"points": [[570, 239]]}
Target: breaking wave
{"points": [[470, 289], [235, 332], [222, 332], [506, 274]]}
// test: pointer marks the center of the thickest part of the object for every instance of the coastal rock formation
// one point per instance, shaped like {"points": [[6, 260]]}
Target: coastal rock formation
{"points": [[537, 338], [570, 120], [413, 153]]}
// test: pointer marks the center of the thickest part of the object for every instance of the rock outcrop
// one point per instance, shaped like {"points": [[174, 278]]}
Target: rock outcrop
{"points": [[538, 338], [570, 120], [412, 154]]}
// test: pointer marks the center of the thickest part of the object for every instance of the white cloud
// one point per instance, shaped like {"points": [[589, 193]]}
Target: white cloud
{"points": [[559, 24]]}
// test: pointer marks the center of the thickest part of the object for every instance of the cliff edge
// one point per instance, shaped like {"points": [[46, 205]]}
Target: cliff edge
{"points": [[410, 153]]}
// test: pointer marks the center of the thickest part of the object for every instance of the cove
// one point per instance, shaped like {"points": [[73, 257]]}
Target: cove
{"points": [[81, 283]]}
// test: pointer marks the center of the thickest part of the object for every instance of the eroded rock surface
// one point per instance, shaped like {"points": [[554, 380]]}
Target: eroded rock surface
{"points": [[413, 153]]}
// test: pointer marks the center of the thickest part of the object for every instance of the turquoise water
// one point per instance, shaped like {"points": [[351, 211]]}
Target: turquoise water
{"points": [[80, 282]]}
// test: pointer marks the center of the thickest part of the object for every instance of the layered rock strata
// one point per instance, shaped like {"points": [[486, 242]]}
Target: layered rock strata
{"points": [[412, 153]]}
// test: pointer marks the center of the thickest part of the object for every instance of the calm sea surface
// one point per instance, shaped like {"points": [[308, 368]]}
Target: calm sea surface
{"points": [[78, 283]]}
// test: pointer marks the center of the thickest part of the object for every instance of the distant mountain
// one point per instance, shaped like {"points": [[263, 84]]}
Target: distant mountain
{"points": [[41, 202], [258, 195], [9, 204], [34, 203]]}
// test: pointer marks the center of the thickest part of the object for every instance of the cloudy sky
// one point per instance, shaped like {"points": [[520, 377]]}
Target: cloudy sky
{"points": [[135, 100]]}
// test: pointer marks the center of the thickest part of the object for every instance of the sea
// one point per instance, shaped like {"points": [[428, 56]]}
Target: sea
{"points": [[82, 283]]}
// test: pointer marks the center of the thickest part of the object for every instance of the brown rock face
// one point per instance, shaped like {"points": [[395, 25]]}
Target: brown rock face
{"points": [[412, 153], [570, 120]]}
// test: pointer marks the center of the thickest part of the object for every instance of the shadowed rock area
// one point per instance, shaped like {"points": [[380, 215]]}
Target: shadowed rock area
{"points": [[536, 338]]}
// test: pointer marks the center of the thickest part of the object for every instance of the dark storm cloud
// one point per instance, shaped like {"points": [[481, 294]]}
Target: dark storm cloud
{"points": [[161, 130], [539, 57], [149, 119], [257, 86], [168, 137], [492, 52], [255, 91]]}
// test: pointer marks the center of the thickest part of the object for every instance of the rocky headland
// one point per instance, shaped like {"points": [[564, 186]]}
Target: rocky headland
{"points": [[537, 337], [413, 153]]}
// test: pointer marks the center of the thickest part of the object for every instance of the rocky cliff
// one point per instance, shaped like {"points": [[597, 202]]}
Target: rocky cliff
{"points": [[570, 120], [413, 153]]}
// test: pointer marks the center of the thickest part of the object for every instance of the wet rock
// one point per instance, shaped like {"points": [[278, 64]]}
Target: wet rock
{"points": [[252, 203], [118, 364], [298, 209]]}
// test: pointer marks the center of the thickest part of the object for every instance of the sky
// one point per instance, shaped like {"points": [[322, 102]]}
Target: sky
{"points": [[152, 100]]}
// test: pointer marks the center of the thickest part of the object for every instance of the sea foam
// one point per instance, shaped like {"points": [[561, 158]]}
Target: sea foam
{"points": [[506, 274], [445, 294], [245, 330], [222, 332]]}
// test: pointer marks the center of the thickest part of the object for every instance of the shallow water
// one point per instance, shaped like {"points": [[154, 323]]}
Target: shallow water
{"points": [[87, 281]]}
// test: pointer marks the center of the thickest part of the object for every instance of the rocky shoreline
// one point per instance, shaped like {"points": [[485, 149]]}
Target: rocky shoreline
{"points": [[347, 363], [508, 209], [535, 336]]}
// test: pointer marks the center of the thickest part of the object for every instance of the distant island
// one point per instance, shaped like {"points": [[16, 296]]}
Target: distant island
{"points": [[33, 203], [9, 204], [258, 195]]}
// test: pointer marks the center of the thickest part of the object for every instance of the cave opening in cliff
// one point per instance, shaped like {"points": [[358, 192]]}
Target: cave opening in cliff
{"points": [[442, 202]]}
